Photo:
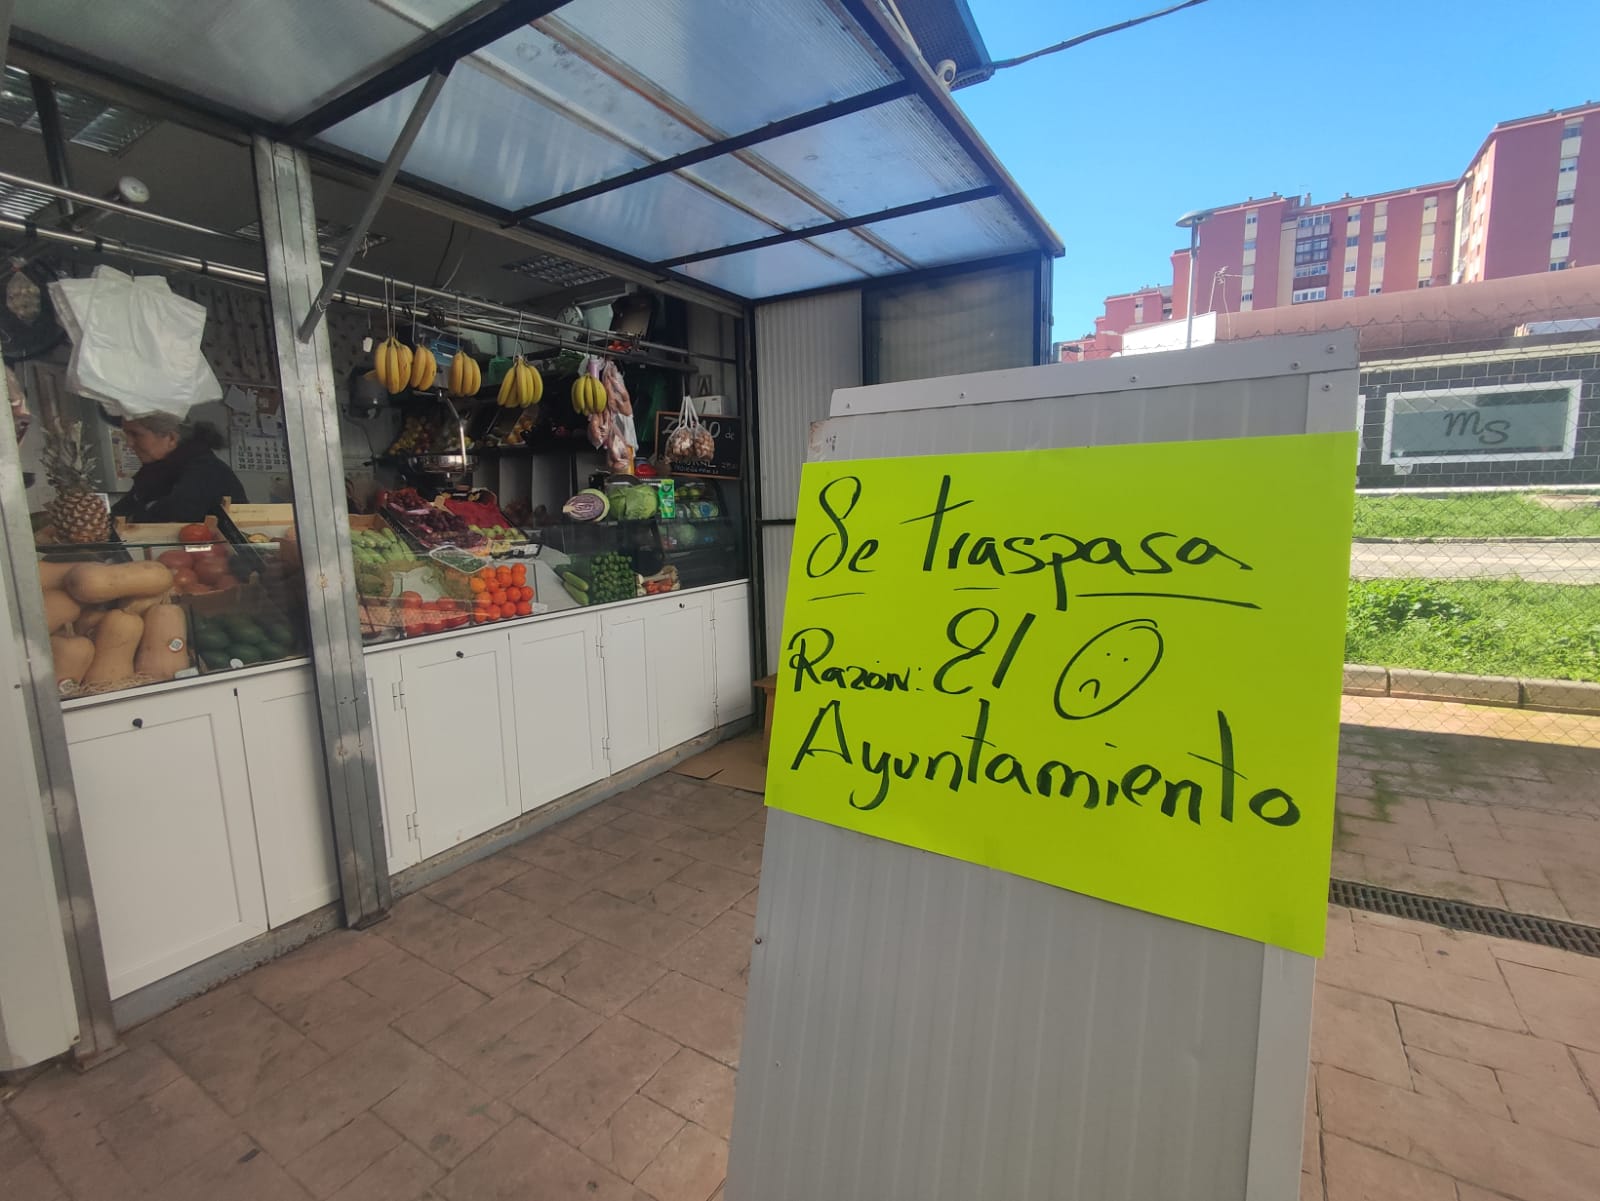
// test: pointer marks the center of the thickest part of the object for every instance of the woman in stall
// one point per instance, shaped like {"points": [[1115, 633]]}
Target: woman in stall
{"points": [[181, 477]]}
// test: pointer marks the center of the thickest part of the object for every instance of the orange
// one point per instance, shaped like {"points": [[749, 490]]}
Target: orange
{"points": [[527, 593], [502, 575], [477, 584], [508, 610], [498, 596], [519, 573], [524, 609]]}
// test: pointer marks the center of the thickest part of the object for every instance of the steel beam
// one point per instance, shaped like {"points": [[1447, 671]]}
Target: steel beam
{"points": [[311, 419], [375, 198], [829, 227], [55, 145], [436, 51], [776, 129]]}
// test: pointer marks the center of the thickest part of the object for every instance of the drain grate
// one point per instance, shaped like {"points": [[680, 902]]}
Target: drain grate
{"points": [[1460, 915]]}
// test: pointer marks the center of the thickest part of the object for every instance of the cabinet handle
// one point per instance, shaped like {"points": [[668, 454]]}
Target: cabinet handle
{"points": [[681, 605], [138, 723], [461, 654]]}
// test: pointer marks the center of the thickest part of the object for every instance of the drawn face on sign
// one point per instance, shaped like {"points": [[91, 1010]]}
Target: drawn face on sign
{"points": [[1108, 669]]}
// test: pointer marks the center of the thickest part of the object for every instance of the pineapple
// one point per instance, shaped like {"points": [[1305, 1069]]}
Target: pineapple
{"points": [[77, 514]]}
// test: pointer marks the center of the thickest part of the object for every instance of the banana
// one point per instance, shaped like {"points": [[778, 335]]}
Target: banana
{"points": [[424, 368], [506, 398], [465, 377], [393, 362], [531, 388], [588, 395]]}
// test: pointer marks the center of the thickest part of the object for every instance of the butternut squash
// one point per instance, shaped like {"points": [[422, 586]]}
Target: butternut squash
{"points": [[73, 654], [51, 574], [143, 604], [88, 620], [96, 583], [164, 646], [115, 640], [60, 610]]}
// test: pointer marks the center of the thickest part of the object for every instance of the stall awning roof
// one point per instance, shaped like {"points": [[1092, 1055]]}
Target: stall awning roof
{"points": [[755, 146]]}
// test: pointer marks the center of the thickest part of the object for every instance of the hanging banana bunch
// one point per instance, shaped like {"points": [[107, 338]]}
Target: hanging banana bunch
{"points": [[465, 378], [522, 387], [424, 368], [588, 393]]}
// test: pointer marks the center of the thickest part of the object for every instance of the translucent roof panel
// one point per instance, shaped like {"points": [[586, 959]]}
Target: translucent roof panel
{"points": [[981, 229], [791, 267], [737, 64], [276, 59], [894, 154], [487, 140]]}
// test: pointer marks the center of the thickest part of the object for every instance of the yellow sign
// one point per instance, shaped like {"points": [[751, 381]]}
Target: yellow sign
{"points": [[1114, 669]]}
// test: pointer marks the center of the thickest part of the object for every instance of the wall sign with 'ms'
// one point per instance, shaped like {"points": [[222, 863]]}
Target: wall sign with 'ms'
{"points": [[1499, 423], [1114, 669]]}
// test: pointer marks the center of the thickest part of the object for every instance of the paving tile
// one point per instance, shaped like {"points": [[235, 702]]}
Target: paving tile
{"points": [[441, 1112], [564, 857], [1357, 1173], [647, 826], [1506, 950], [524, 1163], [723, 850], [96, 1095], [681, 902], [1571, 1113], [689, 1168], [712, 812], [694, 1014], [79, 1156], [626, 925], [575, 1096], [1391, 943], [1461, 953], [238, 1170], [292, 1121], [337, 1015], [1395, 849], [1502, 1050], [747, 903], [1578, 888], [1311, 1131], [466, 884], [1431, 857], [753, 828], [1457, 1080], [634, 877], [599, 976], [518, 957], [505, 911], [719, 955], [482, 1025], [439, 1012], [544, 889], [612, 839], [632, 1137], [403, 1174], [595, 817], [24, 1175], [1358, 1033], [503, 1063], [158, 1136], [1588, 1064], [697, 1088], [433, 933], [1486, 1001], [302, 971], [1534, 899], [401, 980], [342, 1156], [240, 1051], [1493, 856], [1448, 1137], [1408, 877], [719, 887], [1557, 1006]]}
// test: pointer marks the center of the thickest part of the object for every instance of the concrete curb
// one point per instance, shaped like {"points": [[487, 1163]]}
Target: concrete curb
{"points": [[1548, 696]]}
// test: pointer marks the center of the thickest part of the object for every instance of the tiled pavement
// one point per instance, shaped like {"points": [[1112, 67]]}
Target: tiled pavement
{"points": [[562, 1021]]}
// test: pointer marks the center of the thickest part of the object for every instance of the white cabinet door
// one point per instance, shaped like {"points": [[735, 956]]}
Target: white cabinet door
{"points": [[630, 707], [459, 718], [289, 791], [165, 801], [391, 744], [735, 684], [560, 706], [678, 630]]}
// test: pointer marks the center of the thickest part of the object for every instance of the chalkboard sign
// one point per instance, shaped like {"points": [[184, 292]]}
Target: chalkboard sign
{"points": [[727, 432], [1497, 423]]}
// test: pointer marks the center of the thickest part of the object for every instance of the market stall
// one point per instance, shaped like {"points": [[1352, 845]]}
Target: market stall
{"points": [[495, 547]]}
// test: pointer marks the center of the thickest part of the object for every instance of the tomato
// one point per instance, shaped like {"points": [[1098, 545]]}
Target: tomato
{"points": [[196, 532], [411, 600], [175, 560], [210, 571], [185, 580]]}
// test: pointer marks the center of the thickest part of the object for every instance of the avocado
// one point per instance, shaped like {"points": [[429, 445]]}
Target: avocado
{"points": [[271, 651], [245, 651], [216, 660], [277, 630], [209, 638], [242, 627]]}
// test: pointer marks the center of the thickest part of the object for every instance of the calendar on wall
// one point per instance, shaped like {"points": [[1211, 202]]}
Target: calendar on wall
{"points": [[256, 437]]}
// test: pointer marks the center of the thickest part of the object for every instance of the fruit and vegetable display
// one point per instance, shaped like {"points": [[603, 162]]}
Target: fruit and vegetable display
{"points": [[429, 525], [501, 591], [77, 514], [423, 435], [589, 505], [113, 625], [605, 578]]}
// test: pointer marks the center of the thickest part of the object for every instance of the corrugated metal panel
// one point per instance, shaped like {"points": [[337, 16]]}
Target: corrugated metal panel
{"points": [[978, 321], [924, 1029], [777, 544], [804, 350]]}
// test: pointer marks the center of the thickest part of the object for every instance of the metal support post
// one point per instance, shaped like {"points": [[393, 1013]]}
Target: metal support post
{"points": [[55, 146], [380, 189], [310, 409]]}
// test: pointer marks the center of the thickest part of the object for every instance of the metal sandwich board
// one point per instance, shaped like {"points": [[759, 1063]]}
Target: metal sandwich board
{"points": [[1051, 784]]}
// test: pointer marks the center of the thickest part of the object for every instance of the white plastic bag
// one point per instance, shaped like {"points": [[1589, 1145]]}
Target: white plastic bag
{"points": [[136, 346]]}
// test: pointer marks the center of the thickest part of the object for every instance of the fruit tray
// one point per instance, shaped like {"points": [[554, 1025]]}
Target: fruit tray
{"points": [[241, 628]]}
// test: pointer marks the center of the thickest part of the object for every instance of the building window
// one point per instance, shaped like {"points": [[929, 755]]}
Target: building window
{"points": [[1248, 296], [1348, 293], [1559, 265], [1309, 250], [1426, 257], [1249, 243], [1380, 237], [1561, 234], [1569, 165], [1563, 199], [1377, 262], [1353, 241], [1310, 270], [1374, 290], [1573, 130], [1304, 294], [1249, 218], [1321, 219], [1424, 283], [1349, 268]]}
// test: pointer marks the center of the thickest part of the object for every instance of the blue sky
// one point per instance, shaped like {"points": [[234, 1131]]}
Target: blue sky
{"points": [[1116, 138]]}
